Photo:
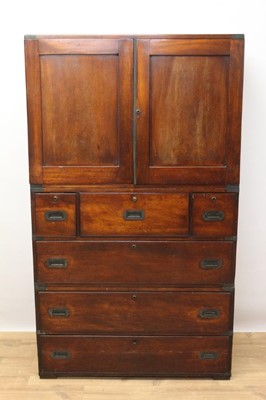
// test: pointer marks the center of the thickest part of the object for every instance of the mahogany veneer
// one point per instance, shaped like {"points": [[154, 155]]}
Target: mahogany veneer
{"points": [[134, 149]]}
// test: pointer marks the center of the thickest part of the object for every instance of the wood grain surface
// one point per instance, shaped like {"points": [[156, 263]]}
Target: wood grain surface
{"points": [[19, 379], [139, 313], [135, 262]]}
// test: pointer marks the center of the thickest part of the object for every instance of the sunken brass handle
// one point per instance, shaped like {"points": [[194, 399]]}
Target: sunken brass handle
{"points": [[58, 312], [209, 313], [60, 355], [211, 263], [56, 263], [134, 215], [55, 216], [207, 355], [213, 215]]}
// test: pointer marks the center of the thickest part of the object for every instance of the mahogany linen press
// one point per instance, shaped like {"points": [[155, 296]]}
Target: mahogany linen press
{"points": [[134, 150]]}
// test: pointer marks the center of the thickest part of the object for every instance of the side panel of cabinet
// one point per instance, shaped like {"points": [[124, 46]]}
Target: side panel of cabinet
{"points": [[80, 110], [189, 93]]}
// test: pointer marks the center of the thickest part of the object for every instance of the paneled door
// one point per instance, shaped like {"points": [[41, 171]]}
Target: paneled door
{"points": [[188, 110], [80, 96]]}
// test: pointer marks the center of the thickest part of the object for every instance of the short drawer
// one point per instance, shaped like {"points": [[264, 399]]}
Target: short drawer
{"points": [[134, 356], [112, 214], [214, 214], [135, 312], [135, 262], [55, 214]]}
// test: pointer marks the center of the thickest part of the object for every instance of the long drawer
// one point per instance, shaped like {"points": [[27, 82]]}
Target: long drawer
{"points": [[135, 356], [135, 312], [143, 214], [135, 262]]}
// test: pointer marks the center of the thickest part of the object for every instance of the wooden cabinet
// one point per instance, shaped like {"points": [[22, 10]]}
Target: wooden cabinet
{"points": [[134, 148]]}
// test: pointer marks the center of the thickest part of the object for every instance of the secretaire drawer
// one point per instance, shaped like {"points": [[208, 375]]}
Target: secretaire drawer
{"points": [[114, 214], [134, 356], [55, 214], [135, 312], [214, 214], [135, 262]]}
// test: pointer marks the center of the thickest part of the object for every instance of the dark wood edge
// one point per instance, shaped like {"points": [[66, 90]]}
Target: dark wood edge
{"points": [[130, 188], [130, 238], [33, 89], [235, 90], [215, 376], [138, 36], [126, 289]]}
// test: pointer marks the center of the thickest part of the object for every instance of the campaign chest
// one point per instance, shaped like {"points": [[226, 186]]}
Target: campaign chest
{"points": [[134, 153]]}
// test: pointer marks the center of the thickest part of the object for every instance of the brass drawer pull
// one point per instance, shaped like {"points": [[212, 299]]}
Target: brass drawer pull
{"points": [[211, 263], [60, 355], [209, 313], [58, 312], [56, 263], [207, 355], [213, 215], [55, 216], [134, 215]]}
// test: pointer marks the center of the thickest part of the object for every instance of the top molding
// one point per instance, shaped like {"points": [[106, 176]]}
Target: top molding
{"points": [[36, 37]]}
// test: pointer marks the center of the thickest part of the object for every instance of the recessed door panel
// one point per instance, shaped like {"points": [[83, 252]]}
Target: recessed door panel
{"points": [[185, 132], [80, 109]]}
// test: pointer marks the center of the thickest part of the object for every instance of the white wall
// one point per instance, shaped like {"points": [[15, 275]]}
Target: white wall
{"points": [[109, 17]]}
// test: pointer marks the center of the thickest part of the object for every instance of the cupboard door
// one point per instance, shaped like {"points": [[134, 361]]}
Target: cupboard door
{"points": [[188, 110], [80, 110]]}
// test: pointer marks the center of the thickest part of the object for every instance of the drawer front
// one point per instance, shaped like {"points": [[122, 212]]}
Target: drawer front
{"points": [[214, 214], [135, 312], [55, 214], [135, 356], [128, 214], [136, 262]]}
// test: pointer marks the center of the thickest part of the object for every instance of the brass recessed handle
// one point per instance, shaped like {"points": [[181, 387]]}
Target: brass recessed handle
{"points": [[58, 312], [209, 313], [134, 215], [133, 246], [138, 111], [60, 355], [213, 215], [207, 355], [55, 216], [56, 263], [211, 263]]}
